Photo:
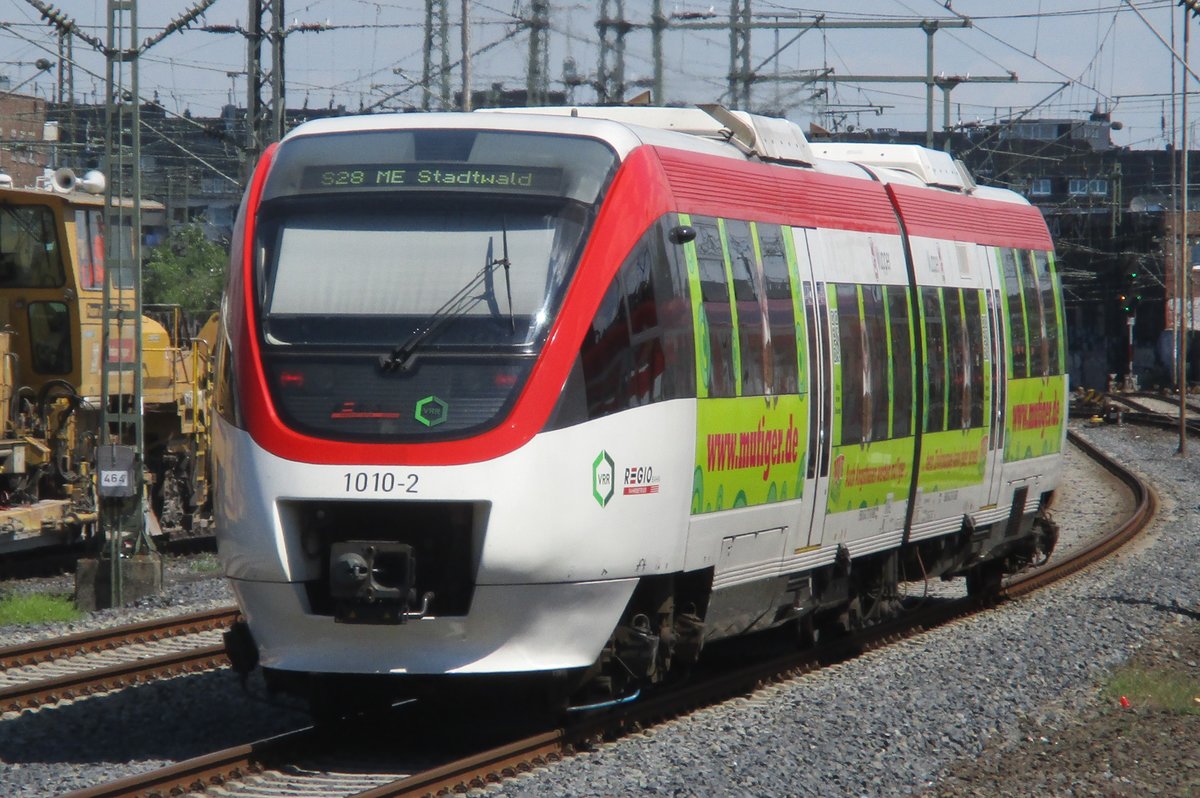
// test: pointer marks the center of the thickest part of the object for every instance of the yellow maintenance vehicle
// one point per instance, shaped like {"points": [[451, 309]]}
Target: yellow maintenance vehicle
{"points": [[52, 274]]}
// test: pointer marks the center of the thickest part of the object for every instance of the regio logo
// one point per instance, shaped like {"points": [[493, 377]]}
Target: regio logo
{"points": [[604, 477]]}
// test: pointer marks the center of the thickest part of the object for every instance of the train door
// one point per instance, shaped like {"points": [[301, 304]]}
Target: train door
{"points": [[863, 303], [998, 375], [750, 496], [812, 320]]}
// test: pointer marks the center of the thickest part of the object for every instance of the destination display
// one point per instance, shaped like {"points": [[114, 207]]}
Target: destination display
{"points": [[429, 175]]}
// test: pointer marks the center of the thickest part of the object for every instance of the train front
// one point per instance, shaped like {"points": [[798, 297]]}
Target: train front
{"points": [[397, 489]]}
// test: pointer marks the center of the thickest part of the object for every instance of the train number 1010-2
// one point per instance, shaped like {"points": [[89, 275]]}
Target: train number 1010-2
{"points": [[380, 482]]}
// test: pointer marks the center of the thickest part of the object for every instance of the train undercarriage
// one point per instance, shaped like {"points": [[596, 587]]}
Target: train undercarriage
{"points": [[670, 618]]}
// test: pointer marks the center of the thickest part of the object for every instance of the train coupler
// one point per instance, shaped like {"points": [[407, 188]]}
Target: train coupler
{"points": [[375, 581]]}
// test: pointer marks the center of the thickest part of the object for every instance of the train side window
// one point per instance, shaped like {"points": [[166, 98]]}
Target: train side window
{"points": [[674, 314], [901, 361], [639, 347], [1035, 317], [644, 383], [751, 317], [875, 364], [935, 359], [89, 245], [50, 332], [781, 312], [959, 402], [853, 362], [1014, 304], [1050, 324], [972, 314], [606, 354], [637, 277], [714, 293], [225, 389]]}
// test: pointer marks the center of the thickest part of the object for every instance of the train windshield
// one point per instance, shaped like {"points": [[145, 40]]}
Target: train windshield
{"points": [[484, 272], [407, 280], [30, 255]]}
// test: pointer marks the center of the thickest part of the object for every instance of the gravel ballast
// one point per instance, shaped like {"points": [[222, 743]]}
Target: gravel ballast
{"points": [[892, 722], [899, 721], [78, 744]]}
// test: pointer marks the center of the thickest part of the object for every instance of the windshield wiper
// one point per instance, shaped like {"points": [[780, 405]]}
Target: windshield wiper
{"points": [[506, 263], [457, 305]]}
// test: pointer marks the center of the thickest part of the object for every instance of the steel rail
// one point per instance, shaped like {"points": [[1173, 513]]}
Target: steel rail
{"points": [[202, 772], [1139, 413], [501, 762], [114, 637], [41, 692], [1146, 505]]}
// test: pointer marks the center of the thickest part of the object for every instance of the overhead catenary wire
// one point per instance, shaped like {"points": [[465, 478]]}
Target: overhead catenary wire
{"points": [[695, 68]]}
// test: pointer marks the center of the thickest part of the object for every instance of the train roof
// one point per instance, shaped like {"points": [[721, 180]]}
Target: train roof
{"points": [[12, 194], [710, 129]]}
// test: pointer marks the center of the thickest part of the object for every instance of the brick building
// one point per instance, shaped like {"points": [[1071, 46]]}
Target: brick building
{"points": [[23, 153]]}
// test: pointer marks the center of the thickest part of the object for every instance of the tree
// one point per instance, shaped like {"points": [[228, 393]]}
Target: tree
{"points": [[186, 270]]}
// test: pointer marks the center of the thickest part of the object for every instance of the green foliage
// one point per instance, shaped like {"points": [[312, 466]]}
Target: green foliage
{"points": [[1172, 690], [186, 270], [35, 608], [204, 564]]}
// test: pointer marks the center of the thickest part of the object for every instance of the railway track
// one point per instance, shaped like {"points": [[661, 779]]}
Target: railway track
{"points": [[301, 762], [1141, 409], [62, 558], [64, 668]]}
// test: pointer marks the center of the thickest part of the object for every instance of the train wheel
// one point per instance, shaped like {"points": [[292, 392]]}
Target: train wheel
{"points": [[985, 579], [807, 634]]}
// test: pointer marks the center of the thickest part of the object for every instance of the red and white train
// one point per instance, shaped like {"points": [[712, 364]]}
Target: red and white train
{"points": [[573, 392]]}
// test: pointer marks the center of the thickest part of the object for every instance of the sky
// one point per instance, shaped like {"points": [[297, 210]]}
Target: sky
{"points": [[1070, 57]]}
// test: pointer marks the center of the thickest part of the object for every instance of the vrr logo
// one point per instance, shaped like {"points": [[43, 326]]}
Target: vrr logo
{"points": [[604, 477], [431, 411]]}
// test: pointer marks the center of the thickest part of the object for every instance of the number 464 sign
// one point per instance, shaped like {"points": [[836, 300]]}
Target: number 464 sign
{"points": [[116, 472], [114, 479]]}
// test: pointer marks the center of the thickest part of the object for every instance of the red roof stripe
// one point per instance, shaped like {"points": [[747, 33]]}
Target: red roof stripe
{"points": [[942, 214], [714, 186]]}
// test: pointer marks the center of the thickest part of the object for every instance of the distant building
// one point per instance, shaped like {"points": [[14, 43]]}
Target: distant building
{"points": [[1108, 209], [22, 150], [1092, 132]]}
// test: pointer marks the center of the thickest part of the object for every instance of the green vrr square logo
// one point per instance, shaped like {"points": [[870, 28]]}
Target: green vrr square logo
{"points": [[431, 411], [604, 477]]}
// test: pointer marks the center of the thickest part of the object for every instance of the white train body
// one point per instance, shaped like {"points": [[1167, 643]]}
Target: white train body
{"points": [[826, 370]]}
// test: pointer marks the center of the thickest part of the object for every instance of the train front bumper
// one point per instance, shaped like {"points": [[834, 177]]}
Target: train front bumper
{"points": [[509, 629]]}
